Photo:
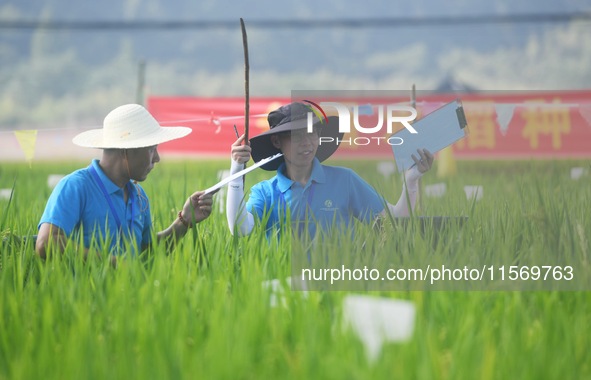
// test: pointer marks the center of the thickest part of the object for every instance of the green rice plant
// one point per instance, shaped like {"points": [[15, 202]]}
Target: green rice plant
{"points": [[201, 310]]}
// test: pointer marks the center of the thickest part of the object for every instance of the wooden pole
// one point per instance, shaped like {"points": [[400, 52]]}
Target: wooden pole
{"points": [[246, 89], [246, 81], [413, 104], [141, 80]]}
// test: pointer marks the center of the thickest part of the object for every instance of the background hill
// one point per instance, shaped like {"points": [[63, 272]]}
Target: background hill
{"points": [[72, 77]]}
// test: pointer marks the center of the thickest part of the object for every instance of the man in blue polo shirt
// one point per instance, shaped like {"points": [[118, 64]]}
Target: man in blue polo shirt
{"points": [[314, 195], [103, 203]]}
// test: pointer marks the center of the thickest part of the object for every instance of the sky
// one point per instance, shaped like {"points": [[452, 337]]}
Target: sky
{"points": [[209, 62]]}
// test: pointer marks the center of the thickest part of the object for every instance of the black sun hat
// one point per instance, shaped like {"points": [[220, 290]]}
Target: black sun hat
{"points": [[292, 117]]}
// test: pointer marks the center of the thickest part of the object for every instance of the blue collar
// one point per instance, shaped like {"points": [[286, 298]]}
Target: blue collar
{"points": [[284, 183], [110, 186]]}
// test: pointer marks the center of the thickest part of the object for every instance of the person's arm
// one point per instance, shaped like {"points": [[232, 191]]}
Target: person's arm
{"points": [[410, 187], [61, 215], [239, 219], [195, 210], [50, 235]]}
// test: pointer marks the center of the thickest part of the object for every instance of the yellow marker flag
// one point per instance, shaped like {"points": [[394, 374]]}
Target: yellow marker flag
{"points": [[27, 140], [446, 163]]}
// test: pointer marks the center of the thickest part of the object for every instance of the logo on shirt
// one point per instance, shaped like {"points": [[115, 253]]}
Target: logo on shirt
{"points": [[328, 206]]}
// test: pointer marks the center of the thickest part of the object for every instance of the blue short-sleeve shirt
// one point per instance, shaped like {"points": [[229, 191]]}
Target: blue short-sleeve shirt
{"points": [[332, 196], [78, 205]]}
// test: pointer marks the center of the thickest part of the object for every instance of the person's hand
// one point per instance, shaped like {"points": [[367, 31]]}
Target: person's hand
{"points": [[240, 152], [424, 163], [197, 208]]}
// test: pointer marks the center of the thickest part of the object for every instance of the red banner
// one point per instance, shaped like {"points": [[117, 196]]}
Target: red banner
{"points": [[522, 125]]}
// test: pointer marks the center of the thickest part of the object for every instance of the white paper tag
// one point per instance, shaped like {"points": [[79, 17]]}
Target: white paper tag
{"points": [[229, 179]]}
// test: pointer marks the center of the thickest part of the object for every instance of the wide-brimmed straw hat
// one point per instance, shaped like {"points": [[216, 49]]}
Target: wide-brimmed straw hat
{"points": [[291, 117], [127, 127]]}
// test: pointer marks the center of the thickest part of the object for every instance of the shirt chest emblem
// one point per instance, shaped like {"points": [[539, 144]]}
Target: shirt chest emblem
{"points": [[328, 206]]}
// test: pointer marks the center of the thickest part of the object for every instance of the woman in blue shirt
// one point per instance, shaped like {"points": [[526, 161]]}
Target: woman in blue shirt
{"points": [[314, 194]]}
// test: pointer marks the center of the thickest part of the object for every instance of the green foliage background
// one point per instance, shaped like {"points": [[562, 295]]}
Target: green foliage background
{"points": [[202, 312]]}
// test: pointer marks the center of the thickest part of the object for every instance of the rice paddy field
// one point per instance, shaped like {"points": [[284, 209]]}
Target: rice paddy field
{"points": [[200, 310]]}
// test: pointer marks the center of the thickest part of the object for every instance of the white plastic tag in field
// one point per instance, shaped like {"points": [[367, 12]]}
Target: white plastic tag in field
{"points": [[378, 320], [386, 168], [53, 180], [5, 193], [578, 172], [436, 190], [474, 192], [277, 291]]}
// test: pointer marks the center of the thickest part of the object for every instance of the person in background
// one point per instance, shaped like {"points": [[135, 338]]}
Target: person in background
{"points": [[318, 195], [103, 203]]}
